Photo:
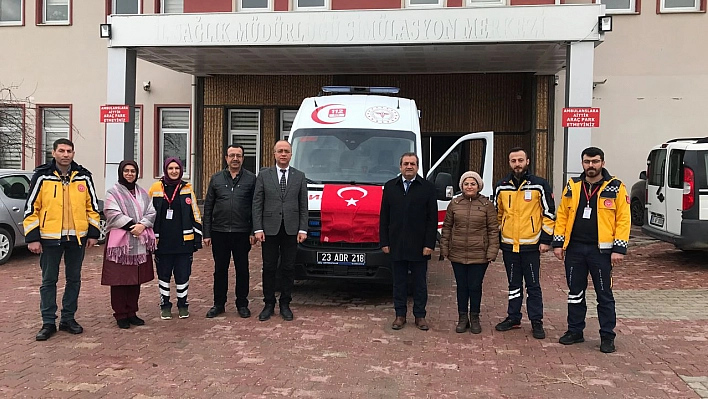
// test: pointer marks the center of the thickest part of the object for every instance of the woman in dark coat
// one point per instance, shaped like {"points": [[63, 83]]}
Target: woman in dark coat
{"points": [[127, 260], [470, 240]]}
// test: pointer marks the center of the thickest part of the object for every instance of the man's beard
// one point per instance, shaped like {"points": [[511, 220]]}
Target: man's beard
{"points": [[521, 173], [592, 172]]}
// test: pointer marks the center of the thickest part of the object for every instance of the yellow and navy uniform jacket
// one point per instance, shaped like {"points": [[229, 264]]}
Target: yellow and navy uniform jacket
{"points": [[613, 214], [525, 213], [191, 217], [44, 210]]}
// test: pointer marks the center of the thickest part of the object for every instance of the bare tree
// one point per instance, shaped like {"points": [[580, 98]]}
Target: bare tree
{"points": [[18, 125]]}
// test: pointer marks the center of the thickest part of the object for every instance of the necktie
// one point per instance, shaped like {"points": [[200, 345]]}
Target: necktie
{"points": [[406, 184], [282, 181]]}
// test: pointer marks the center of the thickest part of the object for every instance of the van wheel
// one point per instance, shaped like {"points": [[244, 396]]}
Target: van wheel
{"points": [[7, 244], [637, 212]]}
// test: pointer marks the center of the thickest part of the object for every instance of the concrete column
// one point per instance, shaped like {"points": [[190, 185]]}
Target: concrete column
{"points": [[121, 91], [578, 93]]}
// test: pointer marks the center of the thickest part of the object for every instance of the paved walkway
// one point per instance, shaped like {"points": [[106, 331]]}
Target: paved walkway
{"points": [[340, 344]]}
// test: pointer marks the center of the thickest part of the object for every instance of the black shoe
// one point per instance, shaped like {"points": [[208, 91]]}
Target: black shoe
{"points": [[123, 323], [538, 331], [215, 311], [71, 326], [570, 338], [286, 313], [268, 310], [607, 345], [46, 332], [507, 324], [244, 312], [136, 321]]}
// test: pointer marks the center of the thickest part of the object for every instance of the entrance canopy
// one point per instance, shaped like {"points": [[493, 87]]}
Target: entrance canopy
{"points": [[443, 40]]}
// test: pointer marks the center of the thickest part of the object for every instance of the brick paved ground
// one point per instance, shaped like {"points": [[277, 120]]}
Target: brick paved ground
{"points": [[340, 344]]}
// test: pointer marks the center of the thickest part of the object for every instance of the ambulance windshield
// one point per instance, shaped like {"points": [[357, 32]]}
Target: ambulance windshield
{"points": [[350, 155]]}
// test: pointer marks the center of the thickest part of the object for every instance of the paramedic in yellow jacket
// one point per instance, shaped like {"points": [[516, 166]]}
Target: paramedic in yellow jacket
{"points": [[591, 234], [525, 210], [61, 219]]}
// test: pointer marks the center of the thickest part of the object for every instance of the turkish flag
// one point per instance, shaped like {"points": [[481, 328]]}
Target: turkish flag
{"points": [[350, 213]]}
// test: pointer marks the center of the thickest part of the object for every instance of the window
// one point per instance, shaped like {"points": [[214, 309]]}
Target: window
{"points": [[126, 7], [244, 129], [172, 6], [55, 125], [676, 169], [620, 6], [54, 11], [655, 167], [477, 3], [423, 3], [15, 187], [287, 116], [11, 12], [680, 6], [254, 5], [311, 4], [11, 128], [137, 143], [174, 136]]}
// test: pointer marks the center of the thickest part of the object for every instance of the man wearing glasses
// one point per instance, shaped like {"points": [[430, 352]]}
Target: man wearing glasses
{"points": [[227, 225]]}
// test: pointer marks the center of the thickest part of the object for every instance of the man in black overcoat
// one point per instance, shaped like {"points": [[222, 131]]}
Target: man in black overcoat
{"points": [[407, 232]]}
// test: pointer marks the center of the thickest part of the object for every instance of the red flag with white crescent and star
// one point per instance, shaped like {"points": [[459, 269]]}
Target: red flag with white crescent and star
{"points": [[350, 213]]}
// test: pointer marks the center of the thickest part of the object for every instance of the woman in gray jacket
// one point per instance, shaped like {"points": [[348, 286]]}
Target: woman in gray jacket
{"points": [[470, 240]]}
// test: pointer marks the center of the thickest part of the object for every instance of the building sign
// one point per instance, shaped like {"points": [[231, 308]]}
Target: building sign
{"points": [[581, 117], [406, 26], [115, 113]]}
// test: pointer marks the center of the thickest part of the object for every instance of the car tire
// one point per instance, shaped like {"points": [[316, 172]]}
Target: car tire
{"points": [[102, 229], [7, 244], [637, 212]]}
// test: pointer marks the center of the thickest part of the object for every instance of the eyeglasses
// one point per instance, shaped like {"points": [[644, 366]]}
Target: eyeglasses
{"points": [[234, 156], [282, 151], [409, 164], [129, 171]]}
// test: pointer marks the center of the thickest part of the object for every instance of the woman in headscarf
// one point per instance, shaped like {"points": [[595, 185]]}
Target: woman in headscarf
{"points": [[178, 228], [470, 240], [127, 262]]}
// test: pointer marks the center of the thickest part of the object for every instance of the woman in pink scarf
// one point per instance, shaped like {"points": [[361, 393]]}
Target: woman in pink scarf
{"points": [[127, 263]]}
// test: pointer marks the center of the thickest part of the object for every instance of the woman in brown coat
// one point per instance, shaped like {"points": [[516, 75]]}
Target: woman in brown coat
{"points": [[127, 261], [470, 240]]}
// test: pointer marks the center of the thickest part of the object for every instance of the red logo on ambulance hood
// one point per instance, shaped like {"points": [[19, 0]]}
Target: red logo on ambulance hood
{"points": [[329, 114]]}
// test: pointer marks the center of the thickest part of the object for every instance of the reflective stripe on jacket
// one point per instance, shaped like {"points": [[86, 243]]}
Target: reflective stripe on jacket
{"points": [[191, 216]]}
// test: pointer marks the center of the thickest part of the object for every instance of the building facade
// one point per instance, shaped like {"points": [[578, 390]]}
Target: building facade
{"points": [[203, 74]]}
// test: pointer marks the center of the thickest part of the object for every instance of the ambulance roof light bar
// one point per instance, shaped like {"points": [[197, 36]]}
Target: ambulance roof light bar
{"points": [[359, 90]]}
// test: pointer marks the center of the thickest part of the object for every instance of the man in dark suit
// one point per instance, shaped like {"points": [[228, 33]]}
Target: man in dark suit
{"points": [[279, 224], [409, 219]]}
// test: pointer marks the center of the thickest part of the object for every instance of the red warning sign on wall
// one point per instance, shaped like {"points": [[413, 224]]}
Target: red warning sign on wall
{"points": [[115, 113], [581, 117]]}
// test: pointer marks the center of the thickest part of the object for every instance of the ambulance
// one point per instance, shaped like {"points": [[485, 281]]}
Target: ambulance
{"points": [[348, 141]]}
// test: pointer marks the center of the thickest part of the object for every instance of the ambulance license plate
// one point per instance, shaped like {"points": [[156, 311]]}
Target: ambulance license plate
{"points": [[339, 258]]}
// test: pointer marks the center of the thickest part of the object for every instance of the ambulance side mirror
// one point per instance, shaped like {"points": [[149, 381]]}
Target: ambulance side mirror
{"points": [[443, 186]]}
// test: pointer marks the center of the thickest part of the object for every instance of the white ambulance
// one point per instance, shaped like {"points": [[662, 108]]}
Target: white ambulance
{"points": [[348, 142]]}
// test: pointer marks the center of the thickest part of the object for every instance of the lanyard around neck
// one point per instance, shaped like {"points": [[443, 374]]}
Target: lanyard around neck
{"points": [[174, 194], [590, 195]]}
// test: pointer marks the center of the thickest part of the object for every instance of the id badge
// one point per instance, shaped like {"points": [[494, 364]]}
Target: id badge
{"points": [[168, 216], [527, 195], [587, 212]]}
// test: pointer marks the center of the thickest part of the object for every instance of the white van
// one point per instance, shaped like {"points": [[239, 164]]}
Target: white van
{"points": [[348, 144], [677, 193]]}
